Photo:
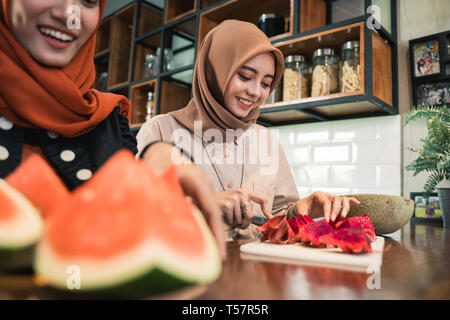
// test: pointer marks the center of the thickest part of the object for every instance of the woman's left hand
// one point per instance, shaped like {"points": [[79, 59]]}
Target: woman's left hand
{"points": [[321, 204]]}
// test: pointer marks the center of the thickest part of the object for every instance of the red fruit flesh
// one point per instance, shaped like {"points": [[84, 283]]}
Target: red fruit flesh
{"points": [[363, 220], [351, 239], [311, 232], [37, 181], [299, 221]]}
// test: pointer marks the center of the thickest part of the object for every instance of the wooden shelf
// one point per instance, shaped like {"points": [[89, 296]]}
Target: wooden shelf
{"points": [[338, 105], [174, 96], [103, 40], [121, 46], [245, 10], [123, 43], [176, 9], [150, 19], [139, 94], [146, 46]]}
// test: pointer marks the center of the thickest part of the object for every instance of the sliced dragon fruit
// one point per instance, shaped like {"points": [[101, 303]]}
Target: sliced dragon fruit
{"points": [[274, 223], [275, 230], [280, 235], [298, 221], [311, 232], [350, 238], [363, 220]]}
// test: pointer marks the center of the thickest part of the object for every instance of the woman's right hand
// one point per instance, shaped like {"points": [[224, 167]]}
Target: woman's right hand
{"points": [[236, 208]]}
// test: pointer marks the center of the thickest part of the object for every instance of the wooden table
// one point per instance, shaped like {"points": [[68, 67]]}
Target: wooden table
{"points": [[416, 265]]}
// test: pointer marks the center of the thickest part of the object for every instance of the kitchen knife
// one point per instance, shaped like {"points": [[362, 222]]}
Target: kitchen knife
{"points": [[259, 221]]}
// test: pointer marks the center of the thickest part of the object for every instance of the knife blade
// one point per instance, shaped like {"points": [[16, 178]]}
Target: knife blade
{"points": [[259, 221]]}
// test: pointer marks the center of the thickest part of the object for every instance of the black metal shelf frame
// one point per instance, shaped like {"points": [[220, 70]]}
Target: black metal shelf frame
{"points": [[389, 37]]}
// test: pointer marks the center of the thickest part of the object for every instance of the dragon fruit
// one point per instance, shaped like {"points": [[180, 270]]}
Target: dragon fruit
{"points": [[350, 238], [352, 235], [363, 221], [311, 232]]}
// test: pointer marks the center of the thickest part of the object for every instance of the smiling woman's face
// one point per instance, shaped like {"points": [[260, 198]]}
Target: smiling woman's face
{"points": [[43, 28], [251, 84]]}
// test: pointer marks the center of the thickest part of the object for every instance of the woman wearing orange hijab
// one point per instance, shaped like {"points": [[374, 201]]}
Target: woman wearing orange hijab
{"points": [[236, 69], [47, 105]]}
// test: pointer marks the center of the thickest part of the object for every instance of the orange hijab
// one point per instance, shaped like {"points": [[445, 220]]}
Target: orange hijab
{"points": [[56, 99], [223, 51]]}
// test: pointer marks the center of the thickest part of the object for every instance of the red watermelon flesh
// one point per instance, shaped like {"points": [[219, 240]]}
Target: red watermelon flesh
{"points": [[120, 207], [363, 220], [127, 216], [39, 183], [351, 239], [8, 207]]}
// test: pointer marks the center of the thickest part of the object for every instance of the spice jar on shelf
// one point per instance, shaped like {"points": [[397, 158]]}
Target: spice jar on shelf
{"points": [[325, 76], [295, 78], [350, 78]]}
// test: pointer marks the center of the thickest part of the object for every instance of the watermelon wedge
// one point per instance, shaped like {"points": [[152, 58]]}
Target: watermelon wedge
{"points": [[37, 181], [129, 232], [21, 227]]}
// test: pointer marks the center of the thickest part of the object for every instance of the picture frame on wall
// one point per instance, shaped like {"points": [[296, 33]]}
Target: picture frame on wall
{"points": [[426, 58], [431, 94], [426, 207], [430, 69]]}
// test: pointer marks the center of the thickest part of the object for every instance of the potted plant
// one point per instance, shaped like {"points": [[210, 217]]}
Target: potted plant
{"points": [[434, 155]]}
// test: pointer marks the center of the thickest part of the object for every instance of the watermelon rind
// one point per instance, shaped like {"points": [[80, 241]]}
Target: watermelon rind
{"points": [[25, 228], [150, 268], [19, 234]]}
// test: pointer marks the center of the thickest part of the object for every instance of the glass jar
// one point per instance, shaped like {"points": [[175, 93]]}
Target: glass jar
{"points": [[167, 59], [271, 24], [295, 78], [150, 107], [350, 77], [151, 66], [325, 75]]}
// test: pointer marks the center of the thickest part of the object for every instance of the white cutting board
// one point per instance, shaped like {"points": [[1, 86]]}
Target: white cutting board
{"points": [[323, 257]]}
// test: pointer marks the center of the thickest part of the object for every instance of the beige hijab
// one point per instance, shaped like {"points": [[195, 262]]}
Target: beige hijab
{"points": [[223, 51]]}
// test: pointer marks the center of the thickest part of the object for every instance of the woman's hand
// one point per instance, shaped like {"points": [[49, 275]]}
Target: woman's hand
{"points": [[236, 209], [323, 204], [195, 184]]}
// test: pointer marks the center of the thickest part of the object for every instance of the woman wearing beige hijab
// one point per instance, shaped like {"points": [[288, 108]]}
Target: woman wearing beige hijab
{"points": [[236, 69]]}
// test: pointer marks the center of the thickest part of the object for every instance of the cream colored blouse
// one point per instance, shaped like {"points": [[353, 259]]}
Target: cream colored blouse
{"points": [[252, 159]]}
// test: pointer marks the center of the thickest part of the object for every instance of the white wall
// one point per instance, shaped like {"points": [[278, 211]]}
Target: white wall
{"points": [[346, 156]]}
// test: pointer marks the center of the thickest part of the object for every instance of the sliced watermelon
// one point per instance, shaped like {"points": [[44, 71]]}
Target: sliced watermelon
{"points": [[37, 181], [21, 227], [129, 232]]}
